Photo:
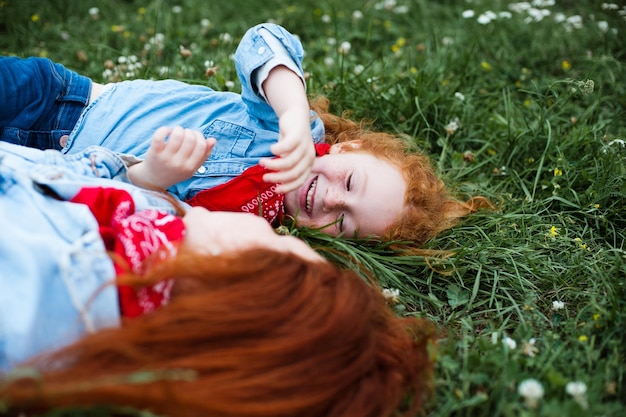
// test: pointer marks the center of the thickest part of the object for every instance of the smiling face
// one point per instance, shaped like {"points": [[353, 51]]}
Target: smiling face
{"points": [[349, 192]]}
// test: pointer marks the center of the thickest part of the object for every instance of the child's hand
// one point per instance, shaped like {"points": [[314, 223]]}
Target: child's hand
{"points": [[172, 161], [296, 151]]}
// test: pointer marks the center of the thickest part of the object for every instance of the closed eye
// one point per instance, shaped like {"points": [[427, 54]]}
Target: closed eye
{"points": [[340, 223], [349, 182]]}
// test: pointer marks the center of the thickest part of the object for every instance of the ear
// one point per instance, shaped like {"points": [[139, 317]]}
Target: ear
{"points": [[347, 146]]}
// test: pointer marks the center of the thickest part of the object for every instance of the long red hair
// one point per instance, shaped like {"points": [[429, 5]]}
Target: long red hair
{"points": [[430, 207], [258, 334]]}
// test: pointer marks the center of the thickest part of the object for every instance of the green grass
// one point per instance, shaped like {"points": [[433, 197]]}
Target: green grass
{"points": [[534, 136]]}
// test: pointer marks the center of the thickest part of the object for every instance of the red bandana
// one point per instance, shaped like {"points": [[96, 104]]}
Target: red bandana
{"points": [[248, 193], [134, 236]]}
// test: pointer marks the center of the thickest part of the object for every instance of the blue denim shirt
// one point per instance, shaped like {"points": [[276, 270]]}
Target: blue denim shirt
{"points": [[124, 117], [53, 264]]}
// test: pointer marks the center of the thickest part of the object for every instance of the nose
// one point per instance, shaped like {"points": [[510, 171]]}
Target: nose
{"points": [[333, 199]]}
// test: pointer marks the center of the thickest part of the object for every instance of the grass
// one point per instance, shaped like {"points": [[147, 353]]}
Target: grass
{"points": [[539, 107]]}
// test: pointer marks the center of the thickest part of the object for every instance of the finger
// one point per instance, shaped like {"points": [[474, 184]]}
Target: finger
{"points": [[190, 143], [158, 139], [175, 139], [284, 146], [286, 162]]}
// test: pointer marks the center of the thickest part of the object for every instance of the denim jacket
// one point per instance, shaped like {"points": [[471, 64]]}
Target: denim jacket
{"points": [[54, 268], [124, 117]]}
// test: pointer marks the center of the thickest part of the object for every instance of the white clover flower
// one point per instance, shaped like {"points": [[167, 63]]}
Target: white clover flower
{"points": [[401, 10], [520, 7], [329, 61], [229, 84], [94, 11], [505, 15], [609, 6], [452, 127], [578, 391], [558, 305], [391, 294], [603, 26], [529, 349], [447, 41], [331, 41], [483, 19], [226, 37], [122, 60], [358, 69], [532, 391], [177, 9], [205, 23], [468, 14], [459, 96], [357, 15], [508, 342], [326, 18], [344, 48], [559, 17]]}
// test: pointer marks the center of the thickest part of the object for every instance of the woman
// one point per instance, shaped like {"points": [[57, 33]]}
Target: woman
{"points": [[251, 324], [349, 190]]}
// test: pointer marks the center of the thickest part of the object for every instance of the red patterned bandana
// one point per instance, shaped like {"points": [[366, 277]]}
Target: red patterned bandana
{"points": [[248, 193]]}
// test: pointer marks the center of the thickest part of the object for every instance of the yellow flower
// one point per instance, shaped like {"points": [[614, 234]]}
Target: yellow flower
{"points": [[566, 65], [491, 152], [554, 232], [557, 172], [413, 70], [395, 48], [527, 102], [596, 316], [486, 66], [35, 18], [142, 10], [596, 206], [582, 338]]}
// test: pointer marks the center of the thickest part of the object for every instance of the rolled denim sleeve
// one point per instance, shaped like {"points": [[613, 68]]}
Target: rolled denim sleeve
{"points": [[254, 51]]}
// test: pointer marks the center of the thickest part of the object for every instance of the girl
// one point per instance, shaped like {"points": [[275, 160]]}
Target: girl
{"points": [[356, 188], [209, 314]]}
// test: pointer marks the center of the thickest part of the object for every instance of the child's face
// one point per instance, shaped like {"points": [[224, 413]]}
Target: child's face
{"points": [[349, 192]]}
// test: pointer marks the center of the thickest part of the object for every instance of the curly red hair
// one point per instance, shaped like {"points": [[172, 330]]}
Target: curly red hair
{"points": [[429, 207], [261, 334]]}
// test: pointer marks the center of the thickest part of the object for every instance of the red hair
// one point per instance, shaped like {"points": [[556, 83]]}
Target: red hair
{"points": [[429, 207], [260, 334]]}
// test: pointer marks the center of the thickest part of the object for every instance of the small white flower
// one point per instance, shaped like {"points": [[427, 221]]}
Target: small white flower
{"points": [[177, 9], [505, 15], [447, 41], [558, 305], [344, 48], [459, 96], [326, 18], [205, 23], [329, 61], [391, 294], [122, 60], [94, 11], [468, 14], [226, 37], [331, 41], [532, 391], [578, 391], [452, 127], [609, 6], [358, 69], [603, 26], [529, 349], [508, 342], [229, 85], [357, 15], [401, 10], [484, 19]]}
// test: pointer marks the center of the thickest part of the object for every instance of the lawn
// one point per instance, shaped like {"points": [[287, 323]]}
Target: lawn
{"points": [[523, 103]]}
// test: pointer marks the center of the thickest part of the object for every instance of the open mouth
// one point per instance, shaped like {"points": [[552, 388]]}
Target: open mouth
{"points": [[308, 206]]}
